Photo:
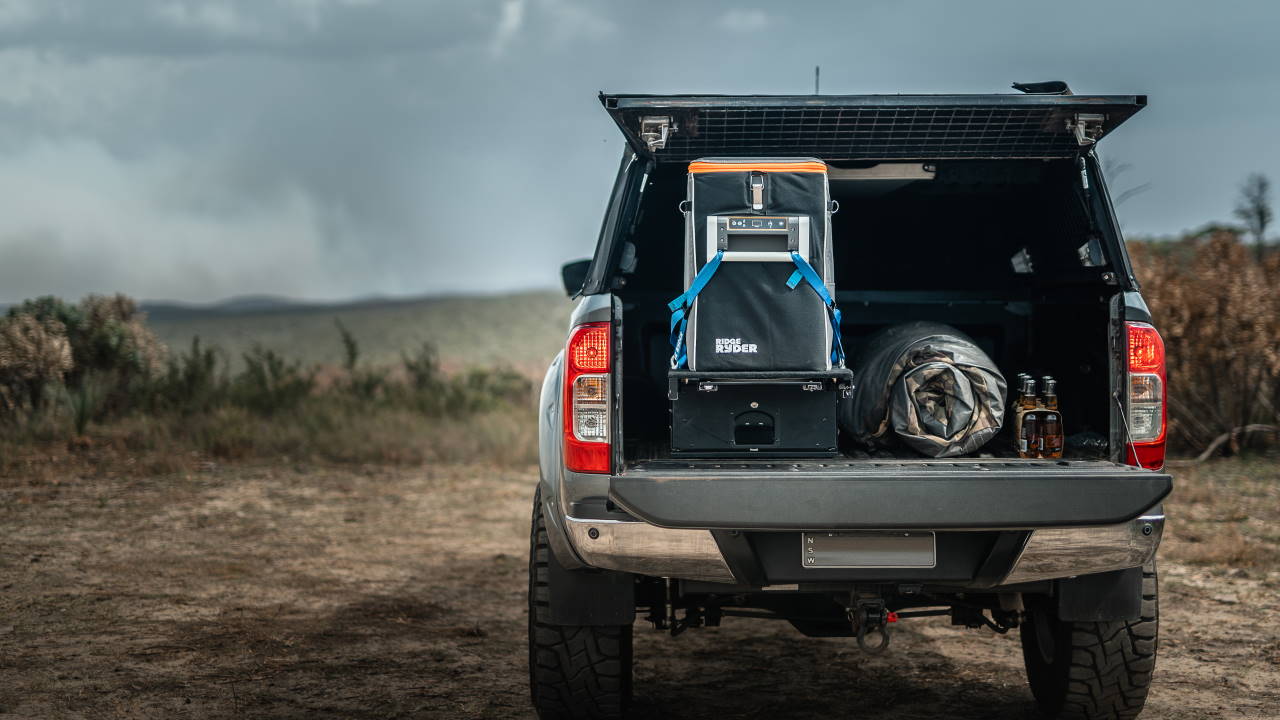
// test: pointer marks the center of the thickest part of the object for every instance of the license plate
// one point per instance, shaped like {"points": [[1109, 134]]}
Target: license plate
{"points": [[868, 549]]}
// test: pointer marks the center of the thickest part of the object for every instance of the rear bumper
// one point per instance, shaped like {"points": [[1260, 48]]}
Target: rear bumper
{"points": [[1062, 552], [996, 522], [864, 495], [635, 546]]}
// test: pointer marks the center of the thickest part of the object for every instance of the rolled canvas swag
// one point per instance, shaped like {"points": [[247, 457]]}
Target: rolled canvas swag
{"points": [[757, 268], [931, 385]]}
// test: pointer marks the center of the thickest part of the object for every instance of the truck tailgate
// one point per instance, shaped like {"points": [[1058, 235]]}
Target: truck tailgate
{"points": [[862, 494]]}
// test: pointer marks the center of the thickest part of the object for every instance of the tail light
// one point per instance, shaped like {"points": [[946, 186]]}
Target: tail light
{"points": [[586, 399], [1148, 406]]}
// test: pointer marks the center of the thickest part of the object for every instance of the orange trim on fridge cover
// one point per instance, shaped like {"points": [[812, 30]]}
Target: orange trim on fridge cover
{"points": [[794, 167]]}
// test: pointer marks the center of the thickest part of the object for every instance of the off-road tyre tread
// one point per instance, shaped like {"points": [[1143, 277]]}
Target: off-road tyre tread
{"points": [[1108, 664], [576, 672]]}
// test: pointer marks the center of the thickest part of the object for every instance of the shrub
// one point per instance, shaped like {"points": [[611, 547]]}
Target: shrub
{"points": [[124, 393], [107, 334], [270, 384], [193, 382], [423, 368], [112, 353], [487, 389], [365, 384], [478, 390], [87, 400], [1218, 309], [35, 355]]}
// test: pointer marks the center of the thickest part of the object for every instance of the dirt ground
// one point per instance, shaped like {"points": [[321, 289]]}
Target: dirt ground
{"points": [[300, 592]]}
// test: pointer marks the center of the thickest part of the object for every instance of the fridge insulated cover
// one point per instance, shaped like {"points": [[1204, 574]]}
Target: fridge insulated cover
{"points": [[747, 318]]}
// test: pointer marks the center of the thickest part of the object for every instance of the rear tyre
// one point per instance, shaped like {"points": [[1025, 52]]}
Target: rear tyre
{"points": [[576, 672], [1093, 670]]}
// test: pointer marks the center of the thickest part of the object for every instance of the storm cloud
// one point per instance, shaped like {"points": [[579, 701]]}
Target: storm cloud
{"points": [[333, 148]]}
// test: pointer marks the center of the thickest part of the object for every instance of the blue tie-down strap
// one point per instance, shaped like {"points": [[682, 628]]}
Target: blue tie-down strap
{"points": [[681, 306], [804, 271]]}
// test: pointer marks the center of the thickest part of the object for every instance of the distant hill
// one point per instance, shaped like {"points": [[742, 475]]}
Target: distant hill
{"points": [[521, 330], [240, 304]]}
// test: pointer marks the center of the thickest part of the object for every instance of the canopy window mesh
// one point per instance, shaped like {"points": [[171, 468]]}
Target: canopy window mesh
{"points": [[931, 386]]}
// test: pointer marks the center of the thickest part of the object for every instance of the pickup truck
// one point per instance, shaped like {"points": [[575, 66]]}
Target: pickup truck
{"points": [[986, 212]]}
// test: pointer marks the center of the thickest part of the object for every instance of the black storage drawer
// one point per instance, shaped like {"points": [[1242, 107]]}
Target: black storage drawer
{"points": [[760, 417]]}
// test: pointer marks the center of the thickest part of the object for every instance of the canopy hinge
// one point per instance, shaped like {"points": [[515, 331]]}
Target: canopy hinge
{"points": [[1087, 127], [654, 131]]}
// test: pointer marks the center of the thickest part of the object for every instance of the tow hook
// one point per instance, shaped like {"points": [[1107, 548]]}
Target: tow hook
{"points": [[870, 617]]}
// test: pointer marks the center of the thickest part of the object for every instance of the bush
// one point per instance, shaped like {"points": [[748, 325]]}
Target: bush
{"points": [[121, 389], [365, 384], [270, 384], [477, 390], [1218, 309], [106, 334], [35, 356], [193, 382], [105, 354], [423, 368], [486, 389]]}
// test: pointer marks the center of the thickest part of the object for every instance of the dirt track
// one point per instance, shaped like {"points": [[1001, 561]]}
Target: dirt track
{"points": [[258, 592]]}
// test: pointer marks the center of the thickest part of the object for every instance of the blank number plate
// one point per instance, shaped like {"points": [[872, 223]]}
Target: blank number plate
{"points": [[868, 549]]}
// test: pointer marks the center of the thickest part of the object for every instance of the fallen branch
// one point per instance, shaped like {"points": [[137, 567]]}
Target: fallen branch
{"points": [[1234, 436]]}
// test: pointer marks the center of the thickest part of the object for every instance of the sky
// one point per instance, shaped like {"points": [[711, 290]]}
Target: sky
{"points": [[328, 149]]}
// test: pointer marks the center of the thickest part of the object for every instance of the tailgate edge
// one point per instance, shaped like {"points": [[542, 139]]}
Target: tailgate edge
{"points": [[826, 501]]}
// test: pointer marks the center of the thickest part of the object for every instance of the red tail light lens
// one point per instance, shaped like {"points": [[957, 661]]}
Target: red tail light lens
{"points": [[587, 401], [1148, 406], [589, 348], [1146, 349]]}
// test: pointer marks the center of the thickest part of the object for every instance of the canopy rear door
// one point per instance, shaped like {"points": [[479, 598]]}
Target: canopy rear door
{"points": [[681, 128]]}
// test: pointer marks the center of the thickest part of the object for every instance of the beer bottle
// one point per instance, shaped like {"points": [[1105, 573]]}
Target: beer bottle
{"points": [[1049, 390], [1051, 433], [1027, 423]]}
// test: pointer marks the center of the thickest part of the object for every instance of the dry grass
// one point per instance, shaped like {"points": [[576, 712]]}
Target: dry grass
{"points": [[319, 431], [1218, 308], [99, 402], [1226, 514]]}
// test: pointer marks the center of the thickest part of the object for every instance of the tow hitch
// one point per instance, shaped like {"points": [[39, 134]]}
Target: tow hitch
{"points": [[871, 617]]}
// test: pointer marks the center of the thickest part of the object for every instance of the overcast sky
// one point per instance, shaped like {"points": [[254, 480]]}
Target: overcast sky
{"points": [[325, 149]]}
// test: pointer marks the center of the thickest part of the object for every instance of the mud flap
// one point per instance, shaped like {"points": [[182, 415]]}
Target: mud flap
{"points": [[590, 597], [1101, 597]]}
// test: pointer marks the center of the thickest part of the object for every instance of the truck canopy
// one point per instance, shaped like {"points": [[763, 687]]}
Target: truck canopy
{"points": [[680, 128]]}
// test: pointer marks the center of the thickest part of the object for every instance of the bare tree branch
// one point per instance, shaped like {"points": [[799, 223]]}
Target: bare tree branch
{"points": [[1254, 208], [1120, 197]]}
